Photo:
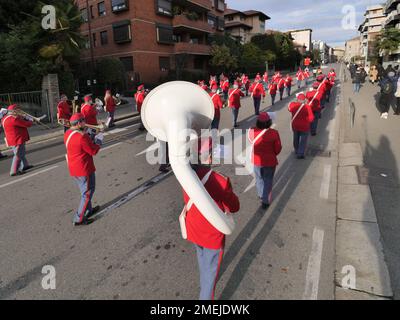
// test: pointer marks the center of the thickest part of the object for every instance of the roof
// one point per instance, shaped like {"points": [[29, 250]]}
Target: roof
{"points": [[248, 13], [300, 30], [233, 24]]}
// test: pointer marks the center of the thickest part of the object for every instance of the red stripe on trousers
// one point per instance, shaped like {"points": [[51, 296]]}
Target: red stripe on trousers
{"points": [[221, 255], [87, 200], [17, 161]]}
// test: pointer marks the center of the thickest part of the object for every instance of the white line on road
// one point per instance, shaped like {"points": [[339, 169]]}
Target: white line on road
{"points": [[27, 177], [114, 131], [332, 129], [314, 266], [112, 146], [326, 181]]}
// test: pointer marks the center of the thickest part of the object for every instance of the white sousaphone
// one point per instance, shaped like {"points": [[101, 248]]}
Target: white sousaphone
{"points": [[169, 110]]}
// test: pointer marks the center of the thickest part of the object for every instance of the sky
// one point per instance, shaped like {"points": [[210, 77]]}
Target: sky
{"points": [[324, 17]]}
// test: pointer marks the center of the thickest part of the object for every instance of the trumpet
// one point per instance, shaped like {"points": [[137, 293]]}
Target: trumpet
{"points": [[117, 99]]}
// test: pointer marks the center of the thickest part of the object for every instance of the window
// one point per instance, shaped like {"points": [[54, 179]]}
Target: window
{"points": [[176, 38], [127, 62], [164, 7], [87, 42], [122, 31], [103, 38], [198, 63], [119, 5], [219, 5], [164, 64], [102, 9], [164, 34], [194, 40], [212, 20], [230, 18], [94, 40], [220, 24], [262, 25], [91, 12], [84, 15]]}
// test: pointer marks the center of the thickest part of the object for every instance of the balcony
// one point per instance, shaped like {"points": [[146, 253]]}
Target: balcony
{"points": [[392, 19], [183, 23], [197, 5], [190, 48], [391, 5]]}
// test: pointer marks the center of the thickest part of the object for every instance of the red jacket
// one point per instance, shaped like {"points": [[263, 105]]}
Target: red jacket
{"points": [[257, 90], [266, 148], [265, 77], [216, 99], [225, 85], [303, 120], [199, 230], [64, 110], [80, 152], [273, 88], [300, 76], [281, 83], [110, 104], [316, 105], [90, 113], [212, 83], [288, 82], [139, 98], [234, 98], [15, 130]]}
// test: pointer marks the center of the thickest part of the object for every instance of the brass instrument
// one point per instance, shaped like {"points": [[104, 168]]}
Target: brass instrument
{"points": [[23, 114], [117, 99], [99, 128]]}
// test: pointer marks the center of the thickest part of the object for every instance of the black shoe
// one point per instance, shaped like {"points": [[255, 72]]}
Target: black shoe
{"points": [[19, 173], [265, 205], [3, 156], [301, 157], [85, 222], [164, 168], [142, 128], [28, 168], [94, 211]]}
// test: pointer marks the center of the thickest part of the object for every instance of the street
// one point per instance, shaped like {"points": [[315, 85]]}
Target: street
{"points": [[134, 250]]}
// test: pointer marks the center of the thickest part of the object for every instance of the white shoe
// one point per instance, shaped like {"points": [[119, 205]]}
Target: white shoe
{"points": [[385, 115]]}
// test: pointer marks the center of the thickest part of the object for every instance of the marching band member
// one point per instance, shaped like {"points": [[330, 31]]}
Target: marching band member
{"points": [[300, 77], [218, 105], [89, 112], [110, 106], [140, 95], [208, 241], [246, 83], [306, 75], [313, 100], [225, 88], [322, 89], [266, 147], [281, 87], [213, 81], [16, 132], [234, 102], [302, 117], [288, 84], [273, 88], [330, 83], [265, 79], [64, 111], [3, 113], [257, 91], [80, 152]]}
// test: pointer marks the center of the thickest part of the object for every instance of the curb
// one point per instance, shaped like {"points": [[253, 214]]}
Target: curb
{"points": [[361, 270]]}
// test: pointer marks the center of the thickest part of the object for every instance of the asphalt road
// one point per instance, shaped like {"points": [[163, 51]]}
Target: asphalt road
{"points": [[135, 250], [379, 141]]}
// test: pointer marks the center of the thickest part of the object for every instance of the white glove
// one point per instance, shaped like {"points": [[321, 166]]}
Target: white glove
{"points": [[29, 118], [3, 111], [98, 139]]}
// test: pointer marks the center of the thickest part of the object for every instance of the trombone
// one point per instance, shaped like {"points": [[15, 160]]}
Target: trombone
{"points": [[101, 127], [23, 114]]}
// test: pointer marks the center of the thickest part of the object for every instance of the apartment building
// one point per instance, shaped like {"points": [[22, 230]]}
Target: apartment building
{"points": [[243, 25], [352, 49], [302, 38], [151, 37], [392, 11], [370, 29]]}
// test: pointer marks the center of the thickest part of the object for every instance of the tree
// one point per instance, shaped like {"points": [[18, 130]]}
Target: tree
{"points": [[110, 74], [389, 40], [222, 60], [253, 58]]}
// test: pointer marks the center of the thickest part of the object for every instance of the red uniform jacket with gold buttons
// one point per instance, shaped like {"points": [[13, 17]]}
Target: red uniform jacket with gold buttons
{"points": [[216, 99], [303, 120], [16, 130], [90, 113], [234, 98]]}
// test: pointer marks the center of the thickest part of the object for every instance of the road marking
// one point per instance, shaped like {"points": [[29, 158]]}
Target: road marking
{"points": [[112, 146], [136, 192], [332, 129], [27, 177], [314, 266], [114, 131], [326, 181]]}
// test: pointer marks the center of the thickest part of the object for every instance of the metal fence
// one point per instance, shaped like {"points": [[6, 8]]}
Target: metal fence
{"points": [[35, 103]]}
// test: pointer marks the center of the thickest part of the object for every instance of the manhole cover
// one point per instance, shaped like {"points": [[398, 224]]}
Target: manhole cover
{"points": [[315, 151], [377, 176]]}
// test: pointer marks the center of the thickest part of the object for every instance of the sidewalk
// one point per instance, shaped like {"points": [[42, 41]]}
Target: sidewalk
{"points": [[39, 133]]}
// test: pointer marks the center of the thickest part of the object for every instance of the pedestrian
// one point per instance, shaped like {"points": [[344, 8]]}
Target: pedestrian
{"points": [[110, 107], [273, 89], [257, 93], [397, 95], [302, 117], [218, 105], [16, 132], [388, 88], [64, 112], [313, 99], [265, 80], [234, 103], [140, 95], [80, 152], [89, 112], [3, 113], [300, 77], [281, 87], [373, 74], [207, 240], [267, 146], [357, 79], [288, 84]]}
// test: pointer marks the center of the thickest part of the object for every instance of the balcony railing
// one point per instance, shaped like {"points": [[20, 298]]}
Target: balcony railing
{"points": [[182, 21], [199, 4], [191, 48], [202, 3]]}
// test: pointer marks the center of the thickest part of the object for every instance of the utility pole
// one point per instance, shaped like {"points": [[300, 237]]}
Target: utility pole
{"points": [[89, 17]]}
